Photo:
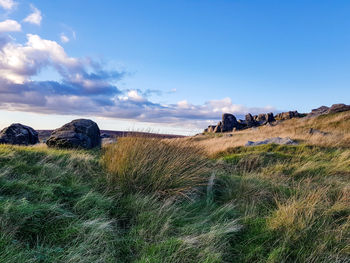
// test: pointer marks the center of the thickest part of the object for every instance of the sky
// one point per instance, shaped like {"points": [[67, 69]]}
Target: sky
{"points": [[169, 66]]}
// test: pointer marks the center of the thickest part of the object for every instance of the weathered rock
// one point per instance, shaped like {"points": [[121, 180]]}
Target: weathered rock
{"points": [[228, 122], [242, 123], [319, 111], [79, 133], [250, 120], [288, 115], [276, 140], [19, 134], [217, 127], [338, 108], [269, 117]]}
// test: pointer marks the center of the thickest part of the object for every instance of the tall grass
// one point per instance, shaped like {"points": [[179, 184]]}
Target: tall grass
{"points": [[54, 207], [153, 166], [294, 201]]}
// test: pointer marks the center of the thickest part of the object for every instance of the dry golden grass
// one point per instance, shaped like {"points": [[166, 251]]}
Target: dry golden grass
{"points": [[151, 165], [337, 125]]}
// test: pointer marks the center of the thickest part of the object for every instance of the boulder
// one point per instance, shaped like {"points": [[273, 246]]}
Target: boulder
{"points": [[19, 134], [228, 122], [249, 119], [81, 133], [276, 140], [338, 108], [287, 115], [269, 117], [218, 127], [319, 111]]}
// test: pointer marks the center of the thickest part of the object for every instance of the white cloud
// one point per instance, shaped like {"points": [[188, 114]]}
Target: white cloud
{"points": [[64, 38], [86, 88], [10, 26], [7, 4], [35, 17], [19, 62]]}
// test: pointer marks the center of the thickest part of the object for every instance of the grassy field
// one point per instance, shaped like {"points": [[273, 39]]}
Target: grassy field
{"points": [[152, 200]]}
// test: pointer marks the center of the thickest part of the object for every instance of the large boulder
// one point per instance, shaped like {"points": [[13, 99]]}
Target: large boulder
{"points": [[250, 121], [228, 122], [79, 133], [19, 134], [338, 108], [319, 111]]}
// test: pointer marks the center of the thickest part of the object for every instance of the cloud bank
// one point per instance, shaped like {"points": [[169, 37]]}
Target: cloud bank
{"points": [[85, 87]]}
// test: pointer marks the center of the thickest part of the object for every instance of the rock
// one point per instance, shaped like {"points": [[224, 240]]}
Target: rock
{"points": [[276, 140], [19, 134], [338, 108], [288, 115], [217, 127], [250, 120], [319, 111], [269, 117], [228, 122], [313, 131], [79, 133]]}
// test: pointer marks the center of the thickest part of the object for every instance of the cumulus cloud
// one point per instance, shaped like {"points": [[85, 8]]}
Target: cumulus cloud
{"points": [[9, 26], [86, 88], [7, 4], [35, 17]]}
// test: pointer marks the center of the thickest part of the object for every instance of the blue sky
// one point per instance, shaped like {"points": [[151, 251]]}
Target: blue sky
{"points": [[170, 66]]}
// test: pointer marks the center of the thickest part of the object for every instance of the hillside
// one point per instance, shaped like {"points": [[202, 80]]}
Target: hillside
{"points": [[206, 198], [332, 130]]}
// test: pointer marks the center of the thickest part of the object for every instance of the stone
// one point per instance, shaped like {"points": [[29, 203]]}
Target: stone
{"points": [[217, 127], [275, 140], [338, 108], [250, 120], [211, 128], [319, 111], [228, 122], [269, 117], [81, 133], [19, 134], [287, 115]]}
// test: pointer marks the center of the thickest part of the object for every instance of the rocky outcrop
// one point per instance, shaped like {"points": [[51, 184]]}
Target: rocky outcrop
{"points": [[335, 108], [319, 111], [79, 133], [229, 122], [276, 140], [288, 115], [19, 134], [249, 119], [338, 108]]}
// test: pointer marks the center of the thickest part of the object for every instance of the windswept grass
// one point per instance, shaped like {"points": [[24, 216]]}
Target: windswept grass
{"points": [[295, 202], [55, 207], [153, 166]]}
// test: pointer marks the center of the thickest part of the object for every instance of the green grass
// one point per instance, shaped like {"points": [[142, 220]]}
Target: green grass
{"points": [[54, 207], [294, 201], [268, 203]]}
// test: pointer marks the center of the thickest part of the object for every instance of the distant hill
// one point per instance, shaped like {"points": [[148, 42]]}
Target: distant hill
{"points": [[45, 134]]}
